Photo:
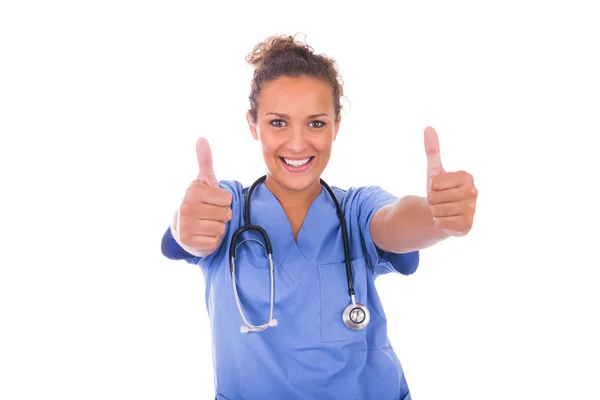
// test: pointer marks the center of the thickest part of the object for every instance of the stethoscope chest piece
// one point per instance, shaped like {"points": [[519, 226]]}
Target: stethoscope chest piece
{"points": [[356, 316]]}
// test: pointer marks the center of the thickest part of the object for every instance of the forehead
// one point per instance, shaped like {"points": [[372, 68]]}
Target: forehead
{"points": [[296, 96]]}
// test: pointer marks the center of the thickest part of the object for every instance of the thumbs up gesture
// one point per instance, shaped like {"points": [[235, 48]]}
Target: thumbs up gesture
{"points": [[452, 196], [205, 208]]}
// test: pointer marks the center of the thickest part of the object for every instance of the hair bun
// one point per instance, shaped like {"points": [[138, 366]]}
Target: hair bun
{"points": [[283, 55], [271, 45]]}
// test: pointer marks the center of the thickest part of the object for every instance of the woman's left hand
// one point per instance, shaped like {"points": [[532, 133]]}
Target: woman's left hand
{"points": [[452, 196]]}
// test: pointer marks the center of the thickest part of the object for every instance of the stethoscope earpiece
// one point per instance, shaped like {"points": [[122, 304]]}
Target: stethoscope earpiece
{"points": [[246, 328]]}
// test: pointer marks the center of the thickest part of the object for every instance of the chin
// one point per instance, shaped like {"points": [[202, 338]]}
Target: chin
{"points": [[296, 181], [300, 184]]}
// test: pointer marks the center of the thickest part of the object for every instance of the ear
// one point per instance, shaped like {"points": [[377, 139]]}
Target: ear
{"points": [[337, 127], [252, 126]]}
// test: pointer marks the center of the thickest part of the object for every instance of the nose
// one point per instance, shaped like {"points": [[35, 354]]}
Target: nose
{"points": [[297, 142]]}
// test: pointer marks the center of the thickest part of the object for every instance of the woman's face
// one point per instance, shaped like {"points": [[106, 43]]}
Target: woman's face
{"points": [[296, 127]]}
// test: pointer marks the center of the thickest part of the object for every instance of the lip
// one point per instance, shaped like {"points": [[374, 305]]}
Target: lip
{"points": [[293, 169]]}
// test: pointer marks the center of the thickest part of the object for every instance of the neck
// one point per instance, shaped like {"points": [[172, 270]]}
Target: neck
{"points": [[293, 199]]}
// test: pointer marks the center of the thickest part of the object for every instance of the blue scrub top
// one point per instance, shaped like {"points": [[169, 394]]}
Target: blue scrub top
{"points": [[311, 354]]}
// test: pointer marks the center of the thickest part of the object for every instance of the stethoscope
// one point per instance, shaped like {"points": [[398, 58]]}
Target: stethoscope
{"points": [[355, 316]]}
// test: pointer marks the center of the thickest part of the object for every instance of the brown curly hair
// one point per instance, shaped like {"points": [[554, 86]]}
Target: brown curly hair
{"points": [[283, 55]]}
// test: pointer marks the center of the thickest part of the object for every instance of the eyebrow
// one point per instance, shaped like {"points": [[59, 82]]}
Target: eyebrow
{"points": [[287, 116]]}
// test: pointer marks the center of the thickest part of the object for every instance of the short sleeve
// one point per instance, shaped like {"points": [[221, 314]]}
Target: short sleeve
{"points": [[367, 201], [172, 250]]}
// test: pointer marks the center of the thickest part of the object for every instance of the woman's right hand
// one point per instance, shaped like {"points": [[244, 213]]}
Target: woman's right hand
{"points": [[205, 209]]}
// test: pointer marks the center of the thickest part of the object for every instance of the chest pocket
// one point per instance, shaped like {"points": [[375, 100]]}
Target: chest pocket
{"points": [[334, 298]]}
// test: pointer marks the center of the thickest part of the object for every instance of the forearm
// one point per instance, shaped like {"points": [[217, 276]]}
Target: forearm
{"points": [[407, 225]]}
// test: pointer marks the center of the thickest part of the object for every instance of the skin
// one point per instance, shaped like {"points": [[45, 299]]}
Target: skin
{"points": [[414, 223], [295, 119], [286, 126]]}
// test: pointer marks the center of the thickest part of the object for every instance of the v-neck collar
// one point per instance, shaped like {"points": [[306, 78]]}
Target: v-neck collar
{"points": [[267, 212]]}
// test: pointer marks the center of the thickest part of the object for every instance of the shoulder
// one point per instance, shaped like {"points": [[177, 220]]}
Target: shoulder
{"points": [[236, 188], [359, 205], [363, 199]]}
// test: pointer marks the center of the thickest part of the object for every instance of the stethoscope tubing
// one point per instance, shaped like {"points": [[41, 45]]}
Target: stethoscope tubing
{"points": [[269, 249]]}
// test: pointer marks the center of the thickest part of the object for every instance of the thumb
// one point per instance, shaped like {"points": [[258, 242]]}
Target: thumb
{"points": [[432, 150], [205, 163]]}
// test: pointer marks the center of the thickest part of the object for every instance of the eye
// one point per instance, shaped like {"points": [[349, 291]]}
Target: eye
{"points": [[277, 123], [319, 124]]}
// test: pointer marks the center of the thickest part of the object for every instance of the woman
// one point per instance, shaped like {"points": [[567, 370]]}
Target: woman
{"points": [[313, 327]]}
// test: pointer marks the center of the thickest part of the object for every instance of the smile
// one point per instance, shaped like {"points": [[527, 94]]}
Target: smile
{"points": [[296, 163]]}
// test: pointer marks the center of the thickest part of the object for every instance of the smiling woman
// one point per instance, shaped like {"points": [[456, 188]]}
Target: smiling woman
{"points": [[322, 247], [296, 144], [295, 113]]}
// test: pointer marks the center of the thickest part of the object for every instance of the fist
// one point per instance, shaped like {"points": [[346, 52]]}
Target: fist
{"points": [[206, 208], [452, 196]]}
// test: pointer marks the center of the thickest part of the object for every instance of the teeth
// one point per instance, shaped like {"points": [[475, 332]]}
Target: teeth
{"points": [[297, 163]]}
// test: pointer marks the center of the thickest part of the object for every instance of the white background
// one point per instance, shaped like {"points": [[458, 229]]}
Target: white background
{"points": [[100, 107]]}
